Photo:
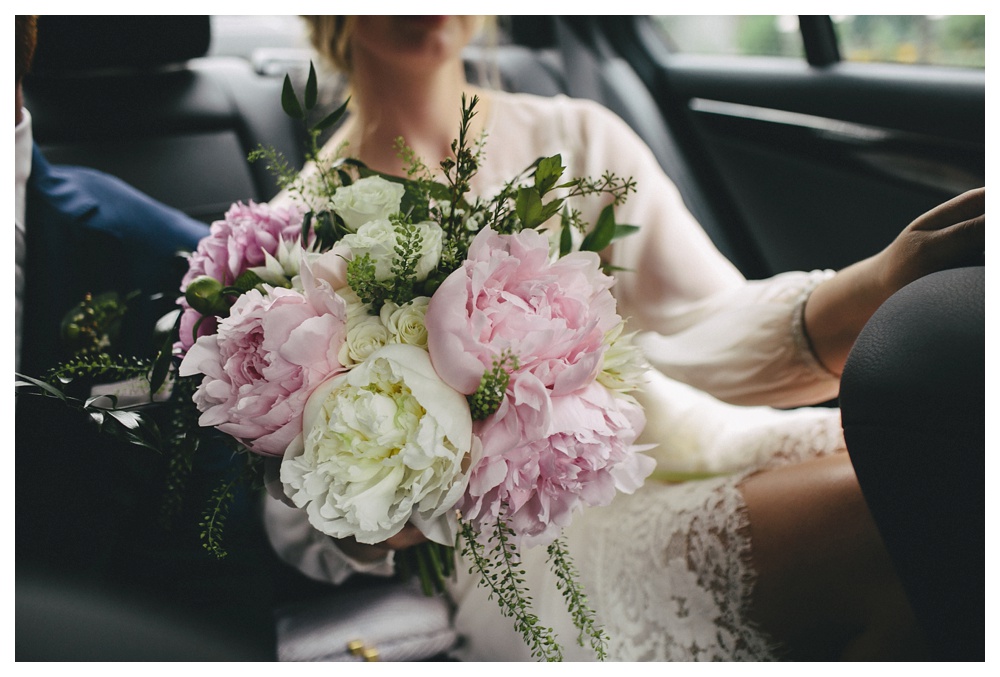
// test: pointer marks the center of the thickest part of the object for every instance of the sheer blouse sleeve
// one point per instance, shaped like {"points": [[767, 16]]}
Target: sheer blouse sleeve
{"points": [[310, 551], [701, 322]]}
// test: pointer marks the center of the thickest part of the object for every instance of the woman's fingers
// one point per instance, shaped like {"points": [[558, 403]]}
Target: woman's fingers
{"points": [[967, 206], [406, 538]]}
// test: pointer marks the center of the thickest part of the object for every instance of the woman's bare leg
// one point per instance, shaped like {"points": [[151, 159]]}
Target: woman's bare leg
{"points": [[825, 584]]}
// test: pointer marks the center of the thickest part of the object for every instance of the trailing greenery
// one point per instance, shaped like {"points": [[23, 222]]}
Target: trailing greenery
{"points": [[180, 427], [500, 571], [576, 601]]}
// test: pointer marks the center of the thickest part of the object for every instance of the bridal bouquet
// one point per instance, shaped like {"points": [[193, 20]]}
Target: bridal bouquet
{"points": [[396, 351]]}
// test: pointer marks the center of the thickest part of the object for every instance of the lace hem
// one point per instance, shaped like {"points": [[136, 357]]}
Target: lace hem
{"points": [[672, 574]]}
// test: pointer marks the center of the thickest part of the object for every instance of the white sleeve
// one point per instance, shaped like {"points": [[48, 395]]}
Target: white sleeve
{"points": [[704, 324], [313, 553]]}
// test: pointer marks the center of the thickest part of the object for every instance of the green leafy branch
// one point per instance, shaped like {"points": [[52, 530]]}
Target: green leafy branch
{"points": [[501, 572], [126, 423], [460, 169], [216, 513], [303, 110], [184, 441], [99, 366], [361, 278], [576, 601], [404, 266]]}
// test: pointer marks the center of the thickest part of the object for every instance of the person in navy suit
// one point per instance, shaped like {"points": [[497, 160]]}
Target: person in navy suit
{"points": [[88, 507]]}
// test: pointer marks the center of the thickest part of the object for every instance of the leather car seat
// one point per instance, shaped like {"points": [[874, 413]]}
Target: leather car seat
{"points": [[130, 95]]}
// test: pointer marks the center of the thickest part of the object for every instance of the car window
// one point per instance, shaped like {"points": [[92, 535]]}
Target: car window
{"points": [[945, 40], [941, 40], [755, 35]]}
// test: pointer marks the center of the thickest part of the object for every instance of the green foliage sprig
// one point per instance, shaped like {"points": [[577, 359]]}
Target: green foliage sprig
{"points": [[576, 601], [223, 497], [500, 571], [99, 366], [492, 386], [183, 442]]}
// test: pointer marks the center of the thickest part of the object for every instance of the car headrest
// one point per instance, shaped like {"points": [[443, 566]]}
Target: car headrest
{"points": [[69, 45]]}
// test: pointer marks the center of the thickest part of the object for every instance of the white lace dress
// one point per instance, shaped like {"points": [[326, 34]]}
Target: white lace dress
{"points": [[666, 569]]}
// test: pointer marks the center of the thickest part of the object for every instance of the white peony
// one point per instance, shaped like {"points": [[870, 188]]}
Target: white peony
{"points": [[382, 445], [369, 199]]}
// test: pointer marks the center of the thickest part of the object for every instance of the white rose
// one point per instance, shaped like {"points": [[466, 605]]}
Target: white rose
{"points": [[431, 239], [369, 199], [382, 445], [365, 335], [378, 240], [406, 323]]}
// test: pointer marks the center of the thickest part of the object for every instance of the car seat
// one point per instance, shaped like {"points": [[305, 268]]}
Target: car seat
{"points": [[130, 95]]}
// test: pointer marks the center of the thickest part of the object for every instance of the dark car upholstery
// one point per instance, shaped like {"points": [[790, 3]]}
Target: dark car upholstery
{"points": [[131, 95]]}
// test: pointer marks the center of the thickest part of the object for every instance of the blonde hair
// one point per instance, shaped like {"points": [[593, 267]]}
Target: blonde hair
{"points": [[330, 36]]}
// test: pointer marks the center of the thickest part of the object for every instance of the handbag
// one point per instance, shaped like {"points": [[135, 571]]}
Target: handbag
{"points": [[394, 621]]}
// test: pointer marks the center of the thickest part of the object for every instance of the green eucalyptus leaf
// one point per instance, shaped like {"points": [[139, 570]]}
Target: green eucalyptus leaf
{"points": [[548, 172], [528, 206], [306, 227], [566, 236], [624, 230], [47, 388], [333, 118], [312, 89], [602, 234], [290, 102], [128, 419], [549, 210]]}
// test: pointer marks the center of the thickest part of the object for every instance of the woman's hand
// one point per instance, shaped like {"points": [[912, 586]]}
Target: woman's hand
{"points": [[363, 552], [950, 235]]}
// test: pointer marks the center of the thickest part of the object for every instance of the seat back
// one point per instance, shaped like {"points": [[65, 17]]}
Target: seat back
{"points": [[183, 132]]}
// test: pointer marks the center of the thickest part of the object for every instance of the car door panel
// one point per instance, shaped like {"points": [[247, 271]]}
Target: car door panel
{"points": [[821, 166]]}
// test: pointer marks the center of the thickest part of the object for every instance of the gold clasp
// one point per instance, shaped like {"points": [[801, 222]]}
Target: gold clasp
{"points": [[369, 654]]}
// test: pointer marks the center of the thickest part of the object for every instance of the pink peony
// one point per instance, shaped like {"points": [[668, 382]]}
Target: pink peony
{"points": [[509, 295], [581, 456], [267, 357], [234, 244]]}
